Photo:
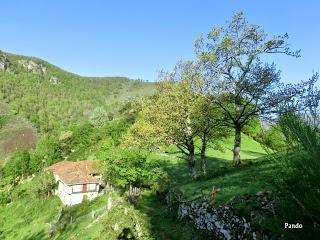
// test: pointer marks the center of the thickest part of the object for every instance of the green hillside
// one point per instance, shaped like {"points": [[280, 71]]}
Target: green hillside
{"points": [[154, 218], [52, 98], [37, 97]]}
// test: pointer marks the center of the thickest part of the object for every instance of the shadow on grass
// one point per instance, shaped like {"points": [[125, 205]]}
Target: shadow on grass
{"points": [[253, 153], [164, 222], [37, 236]]}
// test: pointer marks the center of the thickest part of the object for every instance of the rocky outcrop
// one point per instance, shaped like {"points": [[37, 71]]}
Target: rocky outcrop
{"points": [[4, 62], [220, 222], [32, 66]]}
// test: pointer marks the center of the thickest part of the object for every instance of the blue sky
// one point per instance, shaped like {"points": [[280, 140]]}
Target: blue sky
{"points": [[138, 38]]}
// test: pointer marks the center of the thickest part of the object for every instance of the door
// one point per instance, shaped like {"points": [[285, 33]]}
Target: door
{"points": [[84, 187]]}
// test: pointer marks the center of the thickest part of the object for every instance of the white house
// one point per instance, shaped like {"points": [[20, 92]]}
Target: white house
{"points": [[76, 181]]}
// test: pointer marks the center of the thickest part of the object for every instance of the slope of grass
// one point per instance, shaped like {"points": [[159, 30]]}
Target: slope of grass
{"points": [[156, 220], [221, 173], [29, 218]]}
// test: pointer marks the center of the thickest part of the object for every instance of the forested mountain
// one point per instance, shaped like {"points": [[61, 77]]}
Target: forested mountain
{"points": [[52, 98]]}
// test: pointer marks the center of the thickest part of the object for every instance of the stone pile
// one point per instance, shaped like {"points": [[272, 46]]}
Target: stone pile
{"points": [[221, 221]]}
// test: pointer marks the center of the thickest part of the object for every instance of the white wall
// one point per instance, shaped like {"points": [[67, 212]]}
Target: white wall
{"points": [[72, 194]]}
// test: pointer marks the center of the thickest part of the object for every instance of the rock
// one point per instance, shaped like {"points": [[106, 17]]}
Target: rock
{"points": [[4, 62], [138, 230], [32, 66], [54, 80], [115, 227]]}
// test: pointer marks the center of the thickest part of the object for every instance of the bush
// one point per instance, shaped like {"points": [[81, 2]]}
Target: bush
{"points": [[76, 142], [18, 165], [272, 138], [99, 117], [4, 198], [43, 185], [301, 165], [124, 168], [46, 153]]}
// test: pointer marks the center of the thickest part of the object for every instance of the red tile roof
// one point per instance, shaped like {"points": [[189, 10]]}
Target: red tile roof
{"points": [[75, 172]]}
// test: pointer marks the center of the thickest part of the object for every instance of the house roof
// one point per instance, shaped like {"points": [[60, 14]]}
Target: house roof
{"points": [[75, 172]]}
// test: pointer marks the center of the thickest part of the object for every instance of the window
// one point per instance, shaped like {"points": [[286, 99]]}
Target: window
{"points": [[91, 187], [77, 188]]}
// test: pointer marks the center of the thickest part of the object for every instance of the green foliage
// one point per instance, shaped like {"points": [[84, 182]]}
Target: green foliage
{"points": [[46, 153], [243, 86], [253, 128], [43, 185], [116, 130], [272, 138], [74, 143], [301, 165], [18, 164], [125, 167], [53, 99], [4, 198], [99, 117]]}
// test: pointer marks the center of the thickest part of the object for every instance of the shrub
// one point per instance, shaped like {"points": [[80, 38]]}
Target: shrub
{"points": [[18, 164], [4, 198], [124, 168], [99, 117], [46, 153], [301, 165], [272, 138], [43, 185]]}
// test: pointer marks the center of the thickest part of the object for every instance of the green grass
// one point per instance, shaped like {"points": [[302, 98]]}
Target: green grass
{"points": [[256, 174], [248, 178], [29, 218]]}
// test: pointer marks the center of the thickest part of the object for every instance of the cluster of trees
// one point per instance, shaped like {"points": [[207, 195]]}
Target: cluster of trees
{"points": [[225, 89]]}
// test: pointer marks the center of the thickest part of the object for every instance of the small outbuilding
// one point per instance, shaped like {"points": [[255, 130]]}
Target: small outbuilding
{"points": [[76, 181]]}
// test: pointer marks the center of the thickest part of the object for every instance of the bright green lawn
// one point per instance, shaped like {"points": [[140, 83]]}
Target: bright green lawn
{"points": [[250, 177]]}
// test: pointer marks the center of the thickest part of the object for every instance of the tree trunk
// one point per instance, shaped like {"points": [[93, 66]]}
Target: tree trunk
{"points": [[237, 145], [203, 156], [191, 161]]}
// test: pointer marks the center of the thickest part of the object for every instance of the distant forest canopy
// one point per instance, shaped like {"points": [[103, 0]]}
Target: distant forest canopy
{"points": [[52, 98]]}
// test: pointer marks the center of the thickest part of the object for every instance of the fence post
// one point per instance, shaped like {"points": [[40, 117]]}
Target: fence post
{"points": [[109, 203]]}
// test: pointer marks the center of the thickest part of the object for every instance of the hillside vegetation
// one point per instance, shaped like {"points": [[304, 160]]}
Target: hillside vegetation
{"points": [[155, 220], [16, 132], [37, 97], [219, 148], [52, 98]]}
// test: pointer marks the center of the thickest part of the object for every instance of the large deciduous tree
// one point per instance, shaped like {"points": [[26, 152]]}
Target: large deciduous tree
{"points": [[242, 86], [167, 116], [171, 111]]}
